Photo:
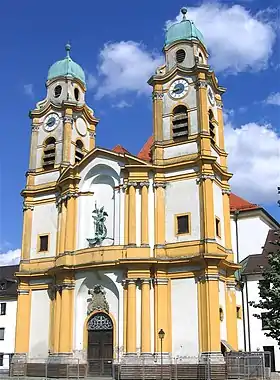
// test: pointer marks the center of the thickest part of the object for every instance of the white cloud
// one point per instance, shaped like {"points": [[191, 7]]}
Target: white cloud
{"points": [[237, 40], [121, 104], [273, 99], [91, 81], [11, 257], [124, 67], [28, 89], [254, 156]]}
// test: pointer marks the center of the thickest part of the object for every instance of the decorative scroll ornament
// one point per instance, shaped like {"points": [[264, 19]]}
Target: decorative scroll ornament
{"points": [[99, 217], [99, 322], [98, 301], [157, 95]]}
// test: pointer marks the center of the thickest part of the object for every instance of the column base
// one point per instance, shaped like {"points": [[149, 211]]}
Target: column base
{"points": [[212, 357], [166, 358], [18, 364], [130, 358]]}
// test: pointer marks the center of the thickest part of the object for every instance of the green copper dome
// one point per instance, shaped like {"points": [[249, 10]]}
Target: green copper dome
{"points": [[66, 67], [184, 30]]}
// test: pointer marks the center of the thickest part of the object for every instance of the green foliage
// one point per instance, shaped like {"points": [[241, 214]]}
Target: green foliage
{"points": [[270, 294]]}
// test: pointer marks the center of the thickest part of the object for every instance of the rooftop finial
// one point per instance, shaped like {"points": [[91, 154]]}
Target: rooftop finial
{"points": [[68, 48], [184, 12]]}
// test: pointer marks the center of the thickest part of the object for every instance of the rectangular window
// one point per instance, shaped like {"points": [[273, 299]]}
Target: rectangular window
{"points": [[263, 285], [218, 226], [264, 321], [1, 359], [238, 312], [182, 224], [3, 308], [2, 333], [43, 243]]}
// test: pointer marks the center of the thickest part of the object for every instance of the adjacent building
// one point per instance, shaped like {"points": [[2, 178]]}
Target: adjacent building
{"points": [[8, 307]]}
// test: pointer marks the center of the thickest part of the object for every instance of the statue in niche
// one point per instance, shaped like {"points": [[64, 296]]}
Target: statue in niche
{"points": [[99, 218], [98, 301]]}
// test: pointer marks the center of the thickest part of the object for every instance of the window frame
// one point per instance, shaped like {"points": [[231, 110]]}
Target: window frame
{"points": [[238, 311], [176, 216], [184, 137], [218, 231], [4, 307], [2, 329], [263, 316], [39, 243]]}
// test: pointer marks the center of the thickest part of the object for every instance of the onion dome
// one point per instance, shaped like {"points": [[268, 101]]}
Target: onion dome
{"points": [[67, 68], [183, 30]]}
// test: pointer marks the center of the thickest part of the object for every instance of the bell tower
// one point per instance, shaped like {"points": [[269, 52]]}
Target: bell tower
{"points": [[63, 126], [187, 114]]}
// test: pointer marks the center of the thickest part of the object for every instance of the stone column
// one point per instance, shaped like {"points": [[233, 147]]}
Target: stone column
{"points": [[92, 139], [27, 230], [57, 314], [132, 214], [157, 112], [231, 315], [227, 229], [209, 318], [66, 318], [145, 317], [34, 145], [62, 227], [71, 222], [159, 214], [203, 118], [67, 134], [131, 317], [161, 313], [23, 319], [205, 181], [144, 214]]}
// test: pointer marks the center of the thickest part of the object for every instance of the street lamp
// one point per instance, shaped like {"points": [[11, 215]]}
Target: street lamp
{"points": [[161, 335]]}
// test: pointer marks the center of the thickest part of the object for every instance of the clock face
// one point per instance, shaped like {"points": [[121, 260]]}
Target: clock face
{"points": [[51, 122], [211, 96], [178, 88]]}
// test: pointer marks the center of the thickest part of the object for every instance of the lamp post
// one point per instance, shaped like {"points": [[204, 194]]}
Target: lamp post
{"points": [[161, 335]]}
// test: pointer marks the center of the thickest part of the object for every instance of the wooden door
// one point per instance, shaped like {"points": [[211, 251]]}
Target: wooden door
{"points": [[100, 345]]}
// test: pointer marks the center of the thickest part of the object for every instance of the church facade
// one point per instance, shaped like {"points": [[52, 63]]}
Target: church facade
{"points": [[118, 247]]}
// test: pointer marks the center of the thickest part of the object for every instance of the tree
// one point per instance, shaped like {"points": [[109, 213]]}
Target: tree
{"points": [[269, 290]]}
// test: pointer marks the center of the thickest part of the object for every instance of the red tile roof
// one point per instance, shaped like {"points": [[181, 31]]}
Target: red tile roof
{"points": [[120, 149], [238, 203], [145, 152]]}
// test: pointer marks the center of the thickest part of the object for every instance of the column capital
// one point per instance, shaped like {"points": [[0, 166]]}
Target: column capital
{"points": [[92, 134], [226, 191], [208, 277], [63, 198], [156, 185], [157, 95], [204, 177], [146, 281], [68, 119], [144, 183], [219, 104], [27, 206], [67, 286], [132, 183], [201, 84], [230, 285], [35, 127], [161, 281], [23, 291]]}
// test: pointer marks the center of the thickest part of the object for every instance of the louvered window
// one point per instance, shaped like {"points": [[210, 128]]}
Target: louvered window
{"points": [[180, 122], [180, 55], [212, 126], [49, 153], [79, 154]]}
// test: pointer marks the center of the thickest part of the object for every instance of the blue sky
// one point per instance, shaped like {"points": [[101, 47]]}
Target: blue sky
{"points": [[119, 45]]}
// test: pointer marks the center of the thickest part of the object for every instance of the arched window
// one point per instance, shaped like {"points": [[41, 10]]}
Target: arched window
{"points": [[49, 153], [200, 58], [76, 93], [79, 154], [180, 55], [57, 91], [212, 126], [180, 122]]}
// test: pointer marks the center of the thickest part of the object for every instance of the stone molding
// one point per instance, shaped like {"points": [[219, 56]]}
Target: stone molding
{"points": [[231, 285], [226, 191], [219, 104], [92, 134], [65, 197], [144, 183], [35, 128], [161, 281]]}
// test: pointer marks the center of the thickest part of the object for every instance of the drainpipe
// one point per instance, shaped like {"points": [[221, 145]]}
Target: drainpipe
{"points": [[236, 213]]}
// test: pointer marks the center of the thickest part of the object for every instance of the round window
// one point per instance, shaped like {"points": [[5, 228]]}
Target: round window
{"points": [[77, 94], [57, 91], [180, 55]]}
